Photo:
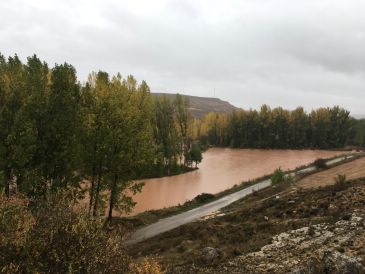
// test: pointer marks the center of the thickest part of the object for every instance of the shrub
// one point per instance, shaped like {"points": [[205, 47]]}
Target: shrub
{"points": [[53, 238], [195, 154], [320, 163], [278, 176], [15, 223], [340, 182], [148, 266], [204, 197], [340, 179]]}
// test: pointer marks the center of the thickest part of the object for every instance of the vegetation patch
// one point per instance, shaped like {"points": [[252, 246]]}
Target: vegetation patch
{"points": [[320, 163]]}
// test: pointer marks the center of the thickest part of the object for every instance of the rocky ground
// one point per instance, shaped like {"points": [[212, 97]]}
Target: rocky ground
{"points": [[321, 248], [284, 229]]}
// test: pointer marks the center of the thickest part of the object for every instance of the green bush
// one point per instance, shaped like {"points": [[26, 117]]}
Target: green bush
{"points": [[278, 176], [196, 154]]}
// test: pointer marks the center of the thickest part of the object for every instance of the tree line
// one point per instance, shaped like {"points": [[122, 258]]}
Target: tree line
{"points": [[323, 128], [358, 137], [100, 136]]}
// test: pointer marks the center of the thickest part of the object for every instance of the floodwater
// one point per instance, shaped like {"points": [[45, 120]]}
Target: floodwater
{"points": [[221, 169]]}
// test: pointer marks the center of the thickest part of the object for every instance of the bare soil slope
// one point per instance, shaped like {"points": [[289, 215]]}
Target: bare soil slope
{"points": [[352, 170], [199, 106]]}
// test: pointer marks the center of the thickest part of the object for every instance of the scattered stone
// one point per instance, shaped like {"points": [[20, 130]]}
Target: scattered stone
{"points": [[336, 262], [209, 254], [320, 248]]}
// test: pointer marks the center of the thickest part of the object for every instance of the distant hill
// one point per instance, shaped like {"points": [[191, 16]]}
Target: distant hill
{"points": [[199, 106]]}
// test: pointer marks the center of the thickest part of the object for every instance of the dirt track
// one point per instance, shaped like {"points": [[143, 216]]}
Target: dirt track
{"points": [[353, 170]]}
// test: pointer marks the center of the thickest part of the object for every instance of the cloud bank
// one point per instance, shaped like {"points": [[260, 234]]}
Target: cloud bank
{"points": [[249, 52]]}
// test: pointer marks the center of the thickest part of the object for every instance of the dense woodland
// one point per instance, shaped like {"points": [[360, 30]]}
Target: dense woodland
{"points": [[56, 132], [358, 136], [62, 141], [323, 128]]}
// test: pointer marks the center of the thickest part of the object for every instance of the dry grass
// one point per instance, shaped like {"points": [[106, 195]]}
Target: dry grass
{"points": [[352, 170]]}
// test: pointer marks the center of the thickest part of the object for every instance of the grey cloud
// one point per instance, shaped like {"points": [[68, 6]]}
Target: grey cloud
{"points": [[280, 52]]}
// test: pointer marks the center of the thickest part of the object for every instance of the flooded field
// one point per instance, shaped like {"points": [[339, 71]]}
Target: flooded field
{"points": [[221, 168]]}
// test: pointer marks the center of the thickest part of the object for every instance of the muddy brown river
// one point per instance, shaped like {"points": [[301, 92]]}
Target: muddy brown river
{"points": [[220, 169]]}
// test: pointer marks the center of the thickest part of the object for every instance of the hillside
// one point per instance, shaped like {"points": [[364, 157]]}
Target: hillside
{"points": [[199, 106]]}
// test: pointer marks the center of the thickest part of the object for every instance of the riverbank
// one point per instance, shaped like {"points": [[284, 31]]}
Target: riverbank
{"points": [[228, 242], [149, 217], [173, 172]]}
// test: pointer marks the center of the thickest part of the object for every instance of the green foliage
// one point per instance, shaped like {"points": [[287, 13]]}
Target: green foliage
{"points": [[195, 154], [58, 136], [118, 137], [171, 125], [357, 134], [187, 158], [39, 121], [278, 128], [165, 132], [278, 177], [56, 132]]}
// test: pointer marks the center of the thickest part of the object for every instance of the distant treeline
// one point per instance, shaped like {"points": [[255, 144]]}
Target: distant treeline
{"points": [[56, 132], [358, 136], [323, 128]]}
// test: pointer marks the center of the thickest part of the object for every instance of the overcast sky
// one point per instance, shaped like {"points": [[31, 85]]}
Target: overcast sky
{"points": [[248, 52]]}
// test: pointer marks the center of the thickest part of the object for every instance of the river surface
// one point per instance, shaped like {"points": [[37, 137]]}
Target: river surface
{"points": [[221, 169]]}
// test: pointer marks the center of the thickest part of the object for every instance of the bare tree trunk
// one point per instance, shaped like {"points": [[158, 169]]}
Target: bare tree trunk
{"points": [[168, 167], [113, 193], [92, 190], [92, 187], [7, 189], [7, 182], [96, 196]]}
